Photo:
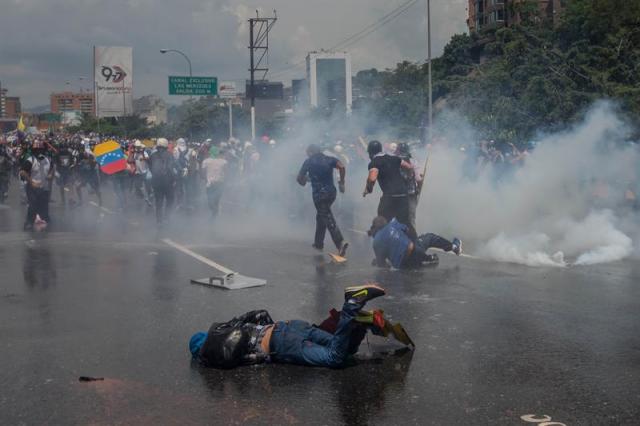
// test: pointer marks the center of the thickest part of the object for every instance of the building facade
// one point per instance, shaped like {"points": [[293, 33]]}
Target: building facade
{"points": [[10, 106], [70, 101], [329, 79], [493, 13]]}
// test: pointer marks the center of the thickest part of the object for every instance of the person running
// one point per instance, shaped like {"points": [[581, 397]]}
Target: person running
{"points": [[393, 245], [255, 338], [163, 175], [319, 169], [214, 170], [386, 170]]}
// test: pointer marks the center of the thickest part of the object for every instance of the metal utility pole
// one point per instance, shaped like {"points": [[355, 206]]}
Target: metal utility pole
{"points": [[430, 133], [1, 101], [258, 42], [230, 119]]}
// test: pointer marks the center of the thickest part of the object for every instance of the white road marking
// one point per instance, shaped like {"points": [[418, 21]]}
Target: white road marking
{"points": [[93, 203], [541, 421], [357, 231], [202, 259]]}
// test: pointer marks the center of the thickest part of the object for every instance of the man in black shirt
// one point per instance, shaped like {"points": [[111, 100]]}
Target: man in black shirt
{"points": [[386, 170], [319, 169]]}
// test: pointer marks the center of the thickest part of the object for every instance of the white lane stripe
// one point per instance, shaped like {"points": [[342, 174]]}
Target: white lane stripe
{"points": [[357, 231], [202, 259], [93, 203]]}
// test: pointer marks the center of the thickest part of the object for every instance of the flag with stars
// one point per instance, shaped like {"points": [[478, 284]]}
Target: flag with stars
{"points": [[110, 157]]}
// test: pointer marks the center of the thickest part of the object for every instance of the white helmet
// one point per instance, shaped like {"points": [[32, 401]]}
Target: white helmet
{"points": [[338, 149]]}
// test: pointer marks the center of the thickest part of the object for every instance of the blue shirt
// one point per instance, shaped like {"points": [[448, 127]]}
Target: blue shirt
{"points": [[320, 167], [391, 242]]}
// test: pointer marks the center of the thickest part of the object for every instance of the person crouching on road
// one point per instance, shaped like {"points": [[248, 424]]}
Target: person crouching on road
{"points": [[319, 169], [392, 244]]}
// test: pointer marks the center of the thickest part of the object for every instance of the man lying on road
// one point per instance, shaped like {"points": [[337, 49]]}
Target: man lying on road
{"points": [[255, 338]]}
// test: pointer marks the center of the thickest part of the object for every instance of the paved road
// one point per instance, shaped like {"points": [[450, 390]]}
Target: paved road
{"points": [[102, 295]]}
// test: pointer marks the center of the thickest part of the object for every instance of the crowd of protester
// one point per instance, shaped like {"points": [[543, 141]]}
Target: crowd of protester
{"points": [[167, 175]]}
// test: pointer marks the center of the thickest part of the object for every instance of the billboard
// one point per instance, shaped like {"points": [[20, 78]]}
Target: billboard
{"points": [[113, 81], [227, 89], [265, 89]]}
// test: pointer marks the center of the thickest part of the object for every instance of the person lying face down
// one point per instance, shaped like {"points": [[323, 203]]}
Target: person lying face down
{"points": [[393, 245], [255, 338]]}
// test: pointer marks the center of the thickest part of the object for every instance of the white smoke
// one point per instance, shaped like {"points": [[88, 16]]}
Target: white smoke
{"points": [[558, 208]]}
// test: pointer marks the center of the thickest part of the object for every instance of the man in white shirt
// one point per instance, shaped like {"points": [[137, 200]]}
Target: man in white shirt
{"points": [[37, 172], [214, 169]]}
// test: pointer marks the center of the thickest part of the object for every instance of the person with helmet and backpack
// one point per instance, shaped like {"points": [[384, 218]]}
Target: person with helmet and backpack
{"points": [[163, 177], [386, 169], [255, 338]]}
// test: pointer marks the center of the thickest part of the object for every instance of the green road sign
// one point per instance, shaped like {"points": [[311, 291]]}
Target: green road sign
{"points": [[196, 86]]}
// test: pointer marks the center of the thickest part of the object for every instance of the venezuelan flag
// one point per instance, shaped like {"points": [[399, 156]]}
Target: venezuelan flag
{"points": [[110, 157]]}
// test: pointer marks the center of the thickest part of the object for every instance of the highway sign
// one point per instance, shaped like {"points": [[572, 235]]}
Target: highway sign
{"points": [[193, 86]]}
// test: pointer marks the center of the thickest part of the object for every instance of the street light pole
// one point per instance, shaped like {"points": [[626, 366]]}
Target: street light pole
{"points": [[430, 137], [163, 51], [180, 53]]}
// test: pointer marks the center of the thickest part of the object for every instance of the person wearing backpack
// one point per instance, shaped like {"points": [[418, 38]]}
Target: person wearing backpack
{"points": [[163, 175]]}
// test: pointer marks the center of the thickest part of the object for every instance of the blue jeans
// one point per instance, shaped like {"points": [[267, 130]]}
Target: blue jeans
{"points": [[298, 342]]}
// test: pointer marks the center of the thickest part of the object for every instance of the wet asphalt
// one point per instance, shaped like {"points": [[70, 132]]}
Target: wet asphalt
{"points": [[101, 295]]}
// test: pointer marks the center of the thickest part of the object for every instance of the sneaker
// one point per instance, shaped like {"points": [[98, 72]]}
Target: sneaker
{"points": [[343, 249], [363, 293], [457, 246]]}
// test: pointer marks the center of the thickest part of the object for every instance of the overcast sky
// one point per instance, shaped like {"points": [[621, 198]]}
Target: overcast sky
{"points": [[46, 43]]}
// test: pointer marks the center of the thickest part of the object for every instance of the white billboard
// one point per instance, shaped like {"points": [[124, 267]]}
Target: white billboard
{"points": [[227, 89], [113, 81]]}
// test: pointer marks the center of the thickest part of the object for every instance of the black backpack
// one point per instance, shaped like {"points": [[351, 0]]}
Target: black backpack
{"points": [[162, 165], [228, 343]]}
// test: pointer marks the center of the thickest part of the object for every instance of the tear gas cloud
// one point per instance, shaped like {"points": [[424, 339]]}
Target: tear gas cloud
{"points": [[564, 205]]}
